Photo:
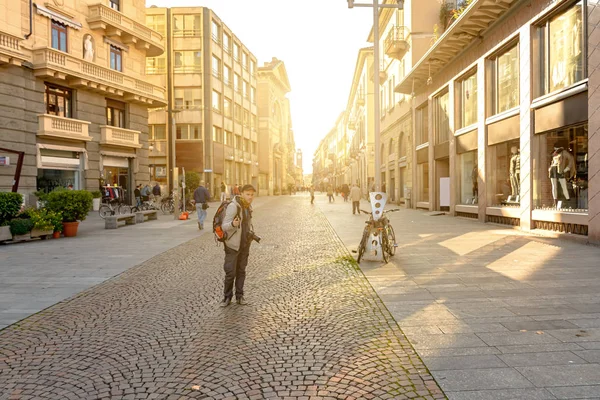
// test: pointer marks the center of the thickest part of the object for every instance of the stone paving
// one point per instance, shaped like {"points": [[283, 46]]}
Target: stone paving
{"points": [[314, 328], [494, 313]]}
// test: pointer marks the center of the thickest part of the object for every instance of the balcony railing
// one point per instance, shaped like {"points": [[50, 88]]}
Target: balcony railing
{"points": [[115, 23], [396, 42], [115, 136], [58, 66], [63, 128], [10, 49]]}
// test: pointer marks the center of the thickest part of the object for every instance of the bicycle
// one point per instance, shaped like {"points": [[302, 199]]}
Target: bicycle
{"points": [[380, 227], [113, 206]]}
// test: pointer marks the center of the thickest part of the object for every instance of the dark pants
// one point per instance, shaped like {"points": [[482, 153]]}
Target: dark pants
{"points": [[355, 207], [235, 271], [312, 199]]}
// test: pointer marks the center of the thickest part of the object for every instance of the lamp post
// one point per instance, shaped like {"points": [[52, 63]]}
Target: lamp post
{"points": [[376, 6]]}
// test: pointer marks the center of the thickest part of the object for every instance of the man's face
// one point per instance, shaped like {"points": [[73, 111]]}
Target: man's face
{"points": [[248, 196]]}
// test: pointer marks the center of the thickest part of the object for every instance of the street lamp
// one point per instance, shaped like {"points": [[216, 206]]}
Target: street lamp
{"points": [[376, 6]]}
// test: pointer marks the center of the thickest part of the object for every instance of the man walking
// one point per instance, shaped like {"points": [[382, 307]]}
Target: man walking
{"points": [[355, 197], [238, 226], [201, 197], [156, 191], [312, 195]]}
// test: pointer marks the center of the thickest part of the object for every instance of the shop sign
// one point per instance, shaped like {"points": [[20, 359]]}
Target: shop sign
{"points": [[4, 160]]}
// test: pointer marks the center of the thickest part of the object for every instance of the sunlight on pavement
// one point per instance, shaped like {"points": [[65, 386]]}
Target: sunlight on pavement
{"points": [[469, 242], [526, 260]]}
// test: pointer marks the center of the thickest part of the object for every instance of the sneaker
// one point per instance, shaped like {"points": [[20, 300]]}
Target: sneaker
{"points": [[226, 301], [241, 301]]}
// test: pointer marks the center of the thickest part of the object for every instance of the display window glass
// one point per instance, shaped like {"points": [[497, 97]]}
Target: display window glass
{"points": [[468, 101], [467, 163], [561, 170], [441, 119], [504, 174], [50, 179], [507, 80], [423, 171]]}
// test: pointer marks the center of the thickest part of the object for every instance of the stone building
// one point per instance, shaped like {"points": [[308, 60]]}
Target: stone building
{"points": [[73, 96]]}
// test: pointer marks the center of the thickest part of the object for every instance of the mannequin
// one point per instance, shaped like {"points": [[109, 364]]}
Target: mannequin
{"points": [[515, 172], [561, 169]]}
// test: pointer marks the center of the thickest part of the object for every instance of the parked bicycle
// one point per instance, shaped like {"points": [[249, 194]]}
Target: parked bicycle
{"points": [[383, 228], [167, 205], [113, 207]]}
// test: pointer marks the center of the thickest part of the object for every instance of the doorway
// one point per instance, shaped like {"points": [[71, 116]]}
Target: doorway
{"points": [[442, 186]]}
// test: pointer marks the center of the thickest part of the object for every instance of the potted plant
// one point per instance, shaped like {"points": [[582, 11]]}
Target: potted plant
{"points": [[74, 206], [21, 228], [43, 223], [57, 224], [10, 206], [96, 199]]}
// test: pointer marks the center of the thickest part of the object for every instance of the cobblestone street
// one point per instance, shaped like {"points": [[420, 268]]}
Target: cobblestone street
{"points": [[314, 328]]}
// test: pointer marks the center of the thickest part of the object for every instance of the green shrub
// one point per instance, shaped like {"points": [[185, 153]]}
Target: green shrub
{"points": [[20, 226], [96, 194], [10, 206], [73, 204], [45, 219]]}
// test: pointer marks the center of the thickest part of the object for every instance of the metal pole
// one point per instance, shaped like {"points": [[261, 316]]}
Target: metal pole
{"points": [[376, 94]]}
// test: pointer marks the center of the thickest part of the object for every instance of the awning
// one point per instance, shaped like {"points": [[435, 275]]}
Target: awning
{"points": [[54, 16], [118, 45]]}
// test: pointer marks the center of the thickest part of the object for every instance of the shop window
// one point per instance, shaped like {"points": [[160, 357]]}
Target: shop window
{"points": [[115, 4], [156, 65], [59, 36], [423, 178], [504, 174], [58, 101], [115, 113], [156, 23], [188, 98], [186, 25], [561, 170], [422, 125], [441, 120], [467, 107], [216, 101], [562, 60], [506, 80], [187, 61], [467, 164], [116, 58]]}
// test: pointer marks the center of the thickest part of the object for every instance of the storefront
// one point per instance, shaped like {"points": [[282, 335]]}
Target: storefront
{"points": [[117, 170], [60, 167]]}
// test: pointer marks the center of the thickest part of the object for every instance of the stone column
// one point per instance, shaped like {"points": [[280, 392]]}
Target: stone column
{"points": [[526, 126], [593, 64], [481, 141], [453, 162]]}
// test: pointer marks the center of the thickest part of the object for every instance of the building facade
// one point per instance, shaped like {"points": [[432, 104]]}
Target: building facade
{"points": [[211, 79], [501, 117], [73, 96], [277, 149]]}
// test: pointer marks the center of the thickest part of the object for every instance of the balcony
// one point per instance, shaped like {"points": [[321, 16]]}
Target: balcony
{"points": [[10, 49], [121, 137], [114, 23], [56, 127], [61, 67], [382, 75], [396, 43]]}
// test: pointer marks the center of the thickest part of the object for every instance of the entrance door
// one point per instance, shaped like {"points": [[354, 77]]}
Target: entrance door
{"points": [[442, 170]]}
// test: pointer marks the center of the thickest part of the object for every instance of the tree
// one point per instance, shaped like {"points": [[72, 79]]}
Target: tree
{"points": [[192, 181]]}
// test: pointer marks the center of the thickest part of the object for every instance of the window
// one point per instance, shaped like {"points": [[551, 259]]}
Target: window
{"points": [[467, 108], [254, 148], [422, 125], [228, 138], [506, 80], [560, 174], [156, 23], [115, 113], [227, 109], [217, 134], [216, 67], [215, 31], [244, 60], [115, 4], [158, 132], [59, 36], [187, 61], [246, 90], [186, 25], [115, 58], [227, 75], [562, 62], [156, 65], [246, 118], [423, 178], [237, 113], [246, 144], [252, 67], [468, 174], [227, 43], [188, 98], [441, 121], [237, 85], [236, 51], [503, 173], [238, 142], [58, 101], [187, 132], [216, 101], [253, 95]]}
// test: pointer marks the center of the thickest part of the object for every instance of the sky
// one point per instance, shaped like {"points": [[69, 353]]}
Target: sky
{"points": [[318, 40]]}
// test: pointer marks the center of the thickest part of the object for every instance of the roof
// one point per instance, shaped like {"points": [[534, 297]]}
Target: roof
{"points": [[277, 68]]}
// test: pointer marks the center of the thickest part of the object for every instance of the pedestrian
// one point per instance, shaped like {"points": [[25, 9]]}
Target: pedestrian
{"points": [[355, 198], [138, 195], [345, 192], [70, 187], [223, 192], [145, 192], [330, 193], [201, 197], [312, 195], [238, 216], [156, 190]]}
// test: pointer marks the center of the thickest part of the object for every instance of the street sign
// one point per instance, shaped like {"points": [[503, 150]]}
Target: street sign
{"points": [[208, 170], [4, 160]]}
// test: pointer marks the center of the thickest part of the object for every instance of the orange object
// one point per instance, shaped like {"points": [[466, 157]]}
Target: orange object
{"points": [[182, 216]]}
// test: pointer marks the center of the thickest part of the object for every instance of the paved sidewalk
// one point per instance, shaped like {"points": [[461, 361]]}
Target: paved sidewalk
{"points": [[314, 329], [494, 313]]}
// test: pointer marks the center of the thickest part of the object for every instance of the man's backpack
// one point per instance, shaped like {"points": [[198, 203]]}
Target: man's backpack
{"points": [[220, 234]]}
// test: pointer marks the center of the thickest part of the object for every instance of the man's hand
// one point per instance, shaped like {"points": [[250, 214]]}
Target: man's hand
{"points": [[236, 222]]}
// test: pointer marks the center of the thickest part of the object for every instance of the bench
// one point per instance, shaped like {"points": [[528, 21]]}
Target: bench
{"points": [[151, 214], [112, 221]]}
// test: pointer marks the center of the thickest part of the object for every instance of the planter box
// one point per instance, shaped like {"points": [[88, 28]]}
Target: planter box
{"points": [[5, 233], [40, 233], [19, 238]]}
